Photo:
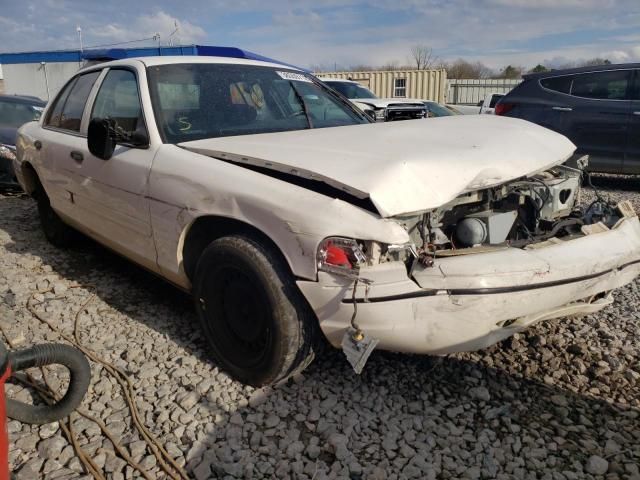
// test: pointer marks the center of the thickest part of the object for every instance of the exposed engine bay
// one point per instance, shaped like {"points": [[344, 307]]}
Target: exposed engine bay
{"points": [[521, 214]]}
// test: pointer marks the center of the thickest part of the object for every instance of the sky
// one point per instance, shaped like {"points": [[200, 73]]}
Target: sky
{"points": [[340, 33]]}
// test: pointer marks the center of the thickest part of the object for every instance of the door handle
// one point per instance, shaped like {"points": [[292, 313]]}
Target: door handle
{"points": [[636, 113], [77, 156], [562, 109], [37, 144]]}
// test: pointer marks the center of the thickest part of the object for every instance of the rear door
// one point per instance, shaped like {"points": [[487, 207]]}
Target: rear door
{"points": [[632, 157], [61, 139], [596, 117], [539, 100]]}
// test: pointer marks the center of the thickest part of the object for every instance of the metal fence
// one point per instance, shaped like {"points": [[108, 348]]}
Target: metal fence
{"points": [[471, 91], [419, 84]]}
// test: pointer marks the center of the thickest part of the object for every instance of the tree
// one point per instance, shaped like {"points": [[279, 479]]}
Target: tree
{"points": [[539, 69], [464, 69], [594, 61], [511, 72], [392, 65], [361, 68], [422, 57]]}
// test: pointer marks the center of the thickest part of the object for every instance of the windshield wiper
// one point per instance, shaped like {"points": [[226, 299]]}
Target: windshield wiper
{"points": [[302, 103]]}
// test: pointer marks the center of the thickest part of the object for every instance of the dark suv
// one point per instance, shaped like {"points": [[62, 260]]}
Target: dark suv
{"points": [[598, 108]]}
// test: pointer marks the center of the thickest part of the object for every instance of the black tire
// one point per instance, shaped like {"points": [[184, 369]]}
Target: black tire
{"points": [[258, 325], [55, 230]]}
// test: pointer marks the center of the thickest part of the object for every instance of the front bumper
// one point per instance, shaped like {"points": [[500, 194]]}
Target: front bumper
{"points": [[394, 113], [469, 302]]}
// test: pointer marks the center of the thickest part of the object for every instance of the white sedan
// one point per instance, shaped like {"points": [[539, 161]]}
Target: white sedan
{"points": [[289, 215], [380, 109]]}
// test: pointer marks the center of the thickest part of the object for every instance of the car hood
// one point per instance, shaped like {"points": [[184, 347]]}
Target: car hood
{"points": [[385, 102], [402, 167]]}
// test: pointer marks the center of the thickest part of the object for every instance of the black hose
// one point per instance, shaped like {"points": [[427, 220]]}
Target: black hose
{"points": [[39, 356]]}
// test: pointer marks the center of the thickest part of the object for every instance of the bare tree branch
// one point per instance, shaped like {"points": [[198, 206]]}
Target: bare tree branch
{"points": [[422, 56]]}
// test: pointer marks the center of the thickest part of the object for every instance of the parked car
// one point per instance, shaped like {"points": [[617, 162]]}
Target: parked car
{"points": [[14, 111], [435, 109], [453, 109], [381, 109], [220, 175], [466, 109], [598, 108], [488, 104]]}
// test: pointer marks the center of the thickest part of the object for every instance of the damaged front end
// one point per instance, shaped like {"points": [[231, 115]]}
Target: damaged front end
{"points": [[487, 264], [544, 207], [520, 214]]}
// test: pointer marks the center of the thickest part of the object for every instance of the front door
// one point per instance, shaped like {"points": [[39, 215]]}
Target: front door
{"points": [[110, 195]]}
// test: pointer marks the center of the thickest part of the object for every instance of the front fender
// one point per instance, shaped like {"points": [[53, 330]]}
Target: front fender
{"points": [[184, 186]]}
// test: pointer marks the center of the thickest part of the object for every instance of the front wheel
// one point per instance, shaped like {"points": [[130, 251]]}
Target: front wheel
{"points": [[255, 320]]}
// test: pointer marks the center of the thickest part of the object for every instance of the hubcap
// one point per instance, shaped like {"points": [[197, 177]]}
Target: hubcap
{"points": [[237, 316]]}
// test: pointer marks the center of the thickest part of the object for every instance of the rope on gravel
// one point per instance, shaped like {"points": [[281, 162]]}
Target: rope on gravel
{"points": [[165, 461]]}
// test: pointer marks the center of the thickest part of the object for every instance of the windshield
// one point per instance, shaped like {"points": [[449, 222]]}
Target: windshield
{"points": [[198, 100], [15, 114], [352, 90]]}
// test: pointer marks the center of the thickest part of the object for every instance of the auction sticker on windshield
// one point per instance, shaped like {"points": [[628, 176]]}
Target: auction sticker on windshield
{"points": [[294, 76]]}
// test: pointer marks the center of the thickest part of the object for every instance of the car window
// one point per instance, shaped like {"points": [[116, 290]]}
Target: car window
{"points": [[118, 99], [321, 107], [558, 84], [15, 114], [494, 99], [74, 104], [55, 113], [602, 85], [194, 101]]}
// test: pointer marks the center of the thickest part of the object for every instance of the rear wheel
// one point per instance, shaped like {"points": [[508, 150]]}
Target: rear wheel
{"points": [[55, 230], [255, 320]]}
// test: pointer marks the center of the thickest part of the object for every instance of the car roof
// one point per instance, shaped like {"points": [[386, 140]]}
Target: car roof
{"points": [[182, 59], [28, 99], [595, 68]]}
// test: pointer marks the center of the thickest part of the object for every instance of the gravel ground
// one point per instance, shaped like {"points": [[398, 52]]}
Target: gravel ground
{"points": [[558, 402]]}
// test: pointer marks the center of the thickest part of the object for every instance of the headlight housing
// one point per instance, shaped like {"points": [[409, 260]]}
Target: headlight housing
{"points": [[340, 255], [380, 114], [7, 152], [345, 256]]}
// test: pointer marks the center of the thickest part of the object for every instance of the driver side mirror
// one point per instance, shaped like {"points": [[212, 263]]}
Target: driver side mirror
{"points": [[104, 133], [100, 139]]}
